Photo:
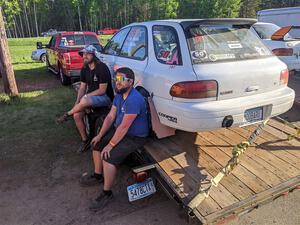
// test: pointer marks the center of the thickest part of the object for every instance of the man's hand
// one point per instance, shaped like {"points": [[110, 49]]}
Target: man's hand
{"points": [[105, 154], [95, 140]]}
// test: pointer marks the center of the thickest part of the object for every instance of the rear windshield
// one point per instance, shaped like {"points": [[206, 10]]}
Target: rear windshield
{"points": [[77, 40], [223, 42], [265, 31]]}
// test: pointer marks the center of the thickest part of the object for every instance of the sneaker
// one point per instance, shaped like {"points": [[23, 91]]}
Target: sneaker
{"points": [[63, 118], [100, 202], [84, 146], [88, 180]]}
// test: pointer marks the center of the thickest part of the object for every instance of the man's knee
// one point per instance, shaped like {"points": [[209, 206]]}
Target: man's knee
{"points": [[85, 101], [78, 116], [107, 165]]}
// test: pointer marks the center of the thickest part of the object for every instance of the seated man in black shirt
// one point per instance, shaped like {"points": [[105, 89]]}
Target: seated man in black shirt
{"points": [[95, 91]]}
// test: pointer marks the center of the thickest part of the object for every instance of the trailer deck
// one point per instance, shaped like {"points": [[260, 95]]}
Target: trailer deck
{"points": [[268, 168]]}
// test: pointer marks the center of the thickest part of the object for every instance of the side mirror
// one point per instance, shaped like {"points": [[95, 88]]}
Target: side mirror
{"points": [[47, 46], [39, 45]]}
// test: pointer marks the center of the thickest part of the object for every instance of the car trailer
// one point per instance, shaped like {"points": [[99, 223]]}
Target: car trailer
{"points": [[267, 166], [184, 165]]}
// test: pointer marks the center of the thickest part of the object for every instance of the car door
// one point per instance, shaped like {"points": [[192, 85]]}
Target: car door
{"points": [[134, 52], [113, 48], [51, 50]]}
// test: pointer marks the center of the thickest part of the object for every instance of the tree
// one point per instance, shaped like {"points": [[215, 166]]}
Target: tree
{"points": [[249, 8], [226, 9], [6, 69]]}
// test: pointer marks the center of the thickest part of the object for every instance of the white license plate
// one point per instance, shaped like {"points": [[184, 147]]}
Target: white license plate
{"points": [[254, 115], [141, 190]]}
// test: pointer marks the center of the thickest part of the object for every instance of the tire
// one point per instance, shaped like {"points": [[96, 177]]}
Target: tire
{"points": [[48, 65], [87, 124], [43, 58], [65, 80]]}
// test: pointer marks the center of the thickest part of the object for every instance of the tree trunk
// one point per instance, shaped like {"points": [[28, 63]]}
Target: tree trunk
{"points": [[15, 29], [21, 25], [26, 18], [6, 69], [79, 17], [35, 20]]}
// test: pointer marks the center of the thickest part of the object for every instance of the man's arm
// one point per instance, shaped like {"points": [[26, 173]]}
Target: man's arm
{"points": [[123, 128], [119, 134], [100, 91], [109, 119], [81, 92]]}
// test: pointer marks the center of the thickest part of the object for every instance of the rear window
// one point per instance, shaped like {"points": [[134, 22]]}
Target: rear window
{"points": [[77, 40], [223, 42], [265, 31]]}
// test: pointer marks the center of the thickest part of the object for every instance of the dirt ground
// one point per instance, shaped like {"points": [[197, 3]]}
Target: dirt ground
{"points": [[42, 188]]}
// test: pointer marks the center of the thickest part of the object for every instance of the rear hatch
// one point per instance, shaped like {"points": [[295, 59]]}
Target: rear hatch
{"points": [[234, 57]]}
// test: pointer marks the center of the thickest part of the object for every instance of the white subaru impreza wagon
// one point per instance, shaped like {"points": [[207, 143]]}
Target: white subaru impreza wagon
{"points": [[202, 74]]}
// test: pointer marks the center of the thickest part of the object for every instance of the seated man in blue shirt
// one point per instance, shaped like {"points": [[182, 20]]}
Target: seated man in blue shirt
{"points": [[124, 130]]}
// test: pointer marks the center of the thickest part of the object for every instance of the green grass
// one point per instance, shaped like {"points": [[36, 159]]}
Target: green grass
{"points": [[21, 48], [28, 121]]}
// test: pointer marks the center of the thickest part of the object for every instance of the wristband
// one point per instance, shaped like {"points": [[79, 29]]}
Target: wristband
{"points": [[112, 144]]}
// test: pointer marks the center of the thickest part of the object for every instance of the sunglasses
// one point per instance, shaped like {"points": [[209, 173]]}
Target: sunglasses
{"points": [[121, 77]]}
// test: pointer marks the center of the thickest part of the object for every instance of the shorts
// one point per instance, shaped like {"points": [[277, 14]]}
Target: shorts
{"points": [[124, 148], [100, 101]]}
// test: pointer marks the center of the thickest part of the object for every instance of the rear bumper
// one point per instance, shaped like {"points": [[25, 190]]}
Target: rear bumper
{"points": [[35, 57], [72, 73], [204, 116]]}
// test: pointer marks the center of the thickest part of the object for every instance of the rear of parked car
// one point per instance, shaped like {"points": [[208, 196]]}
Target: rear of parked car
{"points": [[286, 48], [62, 54], [203, 74]]}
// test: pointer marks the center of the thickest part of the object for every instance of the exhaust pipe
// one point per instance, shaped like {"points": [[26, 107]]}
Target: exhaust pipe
{"points": [[227, 121]]}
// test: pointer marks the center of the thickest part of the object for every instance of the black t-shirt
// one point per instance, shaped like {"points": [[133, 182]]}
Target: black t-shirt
{"points": [[99, 75]]}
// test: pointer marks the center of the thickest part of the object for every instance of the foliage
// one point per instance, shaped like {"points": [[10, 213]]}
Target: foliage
{"points": [[31, 17]]}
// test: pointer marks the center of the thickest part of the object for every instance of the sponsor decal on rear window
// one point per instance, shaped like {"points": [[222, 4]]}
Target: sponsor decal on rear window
{"points": [[223, 42]]}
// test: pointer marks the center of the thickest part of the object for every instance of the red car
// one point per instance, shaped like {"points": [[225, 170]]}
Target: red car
{"points": [[62, 53], [107, 31]]}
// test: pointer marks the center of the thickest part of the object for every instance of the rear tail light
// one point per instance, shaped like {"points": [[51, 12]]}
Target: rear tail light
{"points": [[283, 51], [194, 89], [284, 77], [67, 58]]}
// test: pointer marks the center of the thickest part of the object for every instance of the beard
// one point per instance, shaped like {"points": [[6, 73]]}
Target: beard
{"points": [[87, 61], [121, 90]]}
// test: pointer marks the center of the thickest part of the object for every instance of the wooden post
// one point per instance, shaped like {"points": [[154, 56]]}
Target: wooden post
{"points": [[6, 69]]}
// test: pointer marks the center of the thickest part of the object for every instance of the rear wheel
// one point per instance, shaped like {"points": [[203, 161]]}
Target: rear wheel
{"points": [[65, 80], [48, 65], [43, 57]]}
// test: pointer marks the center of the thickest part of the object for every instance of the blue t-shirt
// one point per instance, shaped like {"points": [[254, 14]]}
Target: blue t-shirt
{"points": [[133, 104]]}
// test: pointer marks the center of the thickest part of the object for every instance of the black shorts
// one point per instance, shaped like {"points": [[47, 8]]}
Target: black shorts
{"points": [[123, 149]]}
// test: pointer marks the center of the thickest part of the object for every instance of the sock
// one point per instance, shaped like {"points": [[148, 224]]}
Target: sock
{"points": [[98, 176], [108, 193]]}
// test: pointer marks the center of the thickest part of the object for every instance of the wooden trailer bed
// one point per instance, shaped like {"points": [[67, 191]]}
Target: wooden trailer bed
{"points": [[268, 168]]}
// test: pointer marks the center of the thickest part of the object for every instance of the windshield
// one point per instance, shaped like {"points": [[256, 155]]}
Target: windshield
{"points": [[265, 31], [223, 42], [77, 40]]}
